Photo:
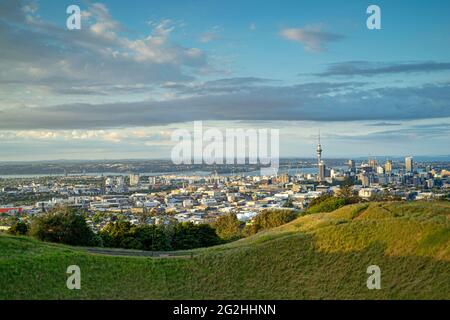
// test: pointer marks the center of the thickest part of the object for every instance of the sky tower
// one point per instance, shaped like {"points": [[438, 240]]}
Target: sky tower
{"points": [[320, 165], [319, 151]]}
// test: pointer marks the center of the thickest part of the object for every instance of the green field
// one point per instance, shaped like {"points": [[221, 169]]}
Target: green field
{"points": [[320, 256]]}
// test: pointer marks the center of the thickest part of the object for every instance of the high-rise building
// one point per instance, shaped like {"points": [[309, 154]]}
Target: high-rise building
{"points": [[365, 180], [388, 166], [322, 171], [373, 164], [409, 164], [380, 170], [351, 165], [134, 180]]}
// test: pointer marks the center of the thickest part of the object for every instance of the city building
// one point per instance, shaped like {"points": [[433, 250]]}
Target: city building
{"points": [[134, 180], [388, 167], [373, 164], [409, 165], [351, 165]]}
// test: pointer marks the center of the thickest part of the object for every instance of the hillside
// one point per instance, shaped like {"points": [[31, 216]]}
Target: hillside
{"points": [[321, 256]]}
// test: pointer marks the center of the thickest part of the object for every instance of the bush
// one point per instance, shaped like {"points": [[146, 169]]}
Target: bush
{"points": [[152, 238], [189, 236], [268, 219], [327, 205], [63, 225], [114, 234], [228, 227], [19, 228], [122, 234]]}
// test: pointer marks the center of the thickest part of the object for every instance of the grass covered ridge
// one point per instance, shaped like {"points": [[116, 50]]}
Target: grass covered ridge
{"points": [[319, 256]]}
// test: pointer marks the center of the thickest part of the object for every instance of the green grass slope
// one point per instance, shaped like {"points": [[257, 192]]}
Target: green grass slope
{"points": [[321, 256]]}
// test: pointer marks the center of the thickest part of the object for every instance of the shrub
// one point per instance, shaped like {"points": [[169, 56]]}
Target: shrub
{"points": [[228, 227], [114, 234], [19, 228], [327, 205], [271, 218], [63, 225], [122, 234], [152, 238], [189, 236]]}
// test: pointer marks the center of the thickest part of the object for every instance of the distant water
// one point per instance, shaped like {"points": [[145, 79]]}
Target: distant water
{"points": [[177, 173]]}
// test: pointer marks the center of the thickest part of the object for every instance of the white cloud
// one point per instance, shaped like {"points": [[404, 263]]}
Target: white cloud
{"points": [[37, 55], [313, 37]]}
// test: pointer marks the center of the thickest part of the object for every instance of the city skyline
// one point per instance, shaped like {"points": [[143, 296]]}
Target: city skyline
{"points": [[118, 88]]}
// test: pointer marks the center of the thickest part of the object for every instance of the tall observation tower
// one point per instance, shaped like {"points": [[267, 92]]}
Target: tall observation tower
{"points": [[319, 152], [320, 165]]}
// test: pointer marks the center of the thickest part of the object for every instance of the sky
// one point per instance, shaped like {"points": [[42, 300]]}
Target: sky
{"points": [[138, 70]]}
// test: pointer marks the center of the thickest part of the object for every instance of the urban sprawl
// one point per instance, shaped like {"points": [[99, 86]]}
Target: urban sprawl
{"points": [[162, 199]]}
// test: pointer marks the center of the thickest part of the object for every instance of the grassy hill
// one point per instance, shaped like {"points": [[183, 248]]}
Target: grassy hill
{"points": [[321, 256]]}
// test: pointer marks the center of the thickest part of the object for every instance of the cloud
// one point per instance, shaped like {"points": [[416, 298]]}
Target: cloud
{"points": [[227, 85], [314, 38], [385, 124], [365, 68], [209, 36], [41, 54], [408, 134], [320, 101]]}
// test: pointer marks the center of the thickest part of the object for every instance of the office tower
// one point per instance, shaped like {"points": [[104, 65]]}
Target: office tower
{"points": [[373, 164], [409, 164], [134, 180], [388, 166], [322, 171], [365, 180], [351, 165]]}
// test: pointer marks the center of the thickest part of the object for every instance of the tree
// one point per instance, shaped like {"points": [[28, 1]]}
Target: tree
{"points": [[114, 233], [270, 218], [63, 225], [189, 236], [319, 199], [327, 205], [346, 188], [19, 228], [228, 227], [153, 238], [122, 234]]}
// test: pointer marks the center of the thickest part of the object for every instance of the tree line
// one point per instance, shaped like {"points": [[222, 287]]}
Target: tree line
{"points": [[68, 226]]}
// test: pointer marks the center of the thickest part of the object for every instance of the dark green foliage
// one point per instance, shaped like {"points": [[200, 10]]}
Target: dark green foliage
{"points": [[319, 199], [268, 219], [19, 228], [122, 234], [153, 238], [114, 234], [327, 205], [228, 227], [63, 225], [189, 236]]}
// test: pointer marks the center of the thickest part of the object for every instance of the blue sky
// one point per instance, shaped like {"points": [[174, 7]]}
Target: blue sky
{"points": [[138, 70]]}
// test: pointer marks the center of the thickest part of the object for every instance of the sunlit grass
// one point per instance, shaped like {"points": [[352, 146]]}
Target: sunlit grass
{"points": [[319, 256]]}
